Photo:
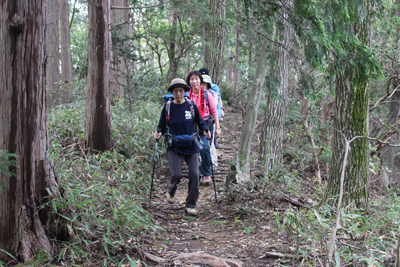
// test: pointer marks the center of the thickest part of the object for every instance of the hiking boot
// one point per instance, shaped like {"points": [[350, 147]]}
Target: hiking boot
{"points": [[191, 211], [170, 199], [206, 180]]}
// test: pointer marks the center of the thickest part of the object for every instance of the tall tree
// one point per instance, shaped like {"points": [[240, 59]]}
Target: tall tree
{"points": [[352, 74], [271, 141], [215, 37], [25, 222], [120, 41], [243, 153], [65, 39], [173, 61], [98, 114], [52, 52], [388, 153]]}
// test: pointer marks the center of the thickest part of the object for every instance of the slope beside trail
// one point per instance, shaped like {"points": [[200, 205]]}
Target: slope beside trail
{"points": [[237, 227]]}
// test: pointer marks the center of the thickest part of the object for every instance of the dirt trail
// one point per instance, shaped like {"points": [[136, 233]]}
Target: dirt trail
{"points": [[226, 229]]}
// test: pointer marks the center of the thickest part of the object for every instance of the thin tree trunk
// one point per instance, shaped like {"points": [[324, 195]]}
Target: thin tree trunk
{"points": [[24, 227], [173, 62], [236, 79], [97, 114], [243, 154], [119, 71], [308, 131], [53, 52], [65, 41], [389, 153], [216, 35]]}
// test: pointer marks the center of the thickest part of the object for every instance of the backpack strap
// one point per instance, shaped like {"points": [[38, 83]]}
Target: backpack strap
{"points": [[207, 103], [168, 136]]}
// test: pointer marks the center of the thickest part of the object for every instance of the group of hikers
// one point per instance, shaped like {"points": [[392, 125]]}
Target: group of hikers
{"points": [[190, 123]]}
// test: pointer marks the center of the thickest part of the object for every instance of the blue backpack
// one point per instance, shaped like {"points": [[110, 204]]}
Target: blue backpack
{"points": [[181, 140]]}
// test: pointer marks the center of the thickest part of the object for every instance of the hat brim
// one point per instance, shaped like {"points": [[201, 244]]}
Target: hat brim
{"points": [[184, 86]]}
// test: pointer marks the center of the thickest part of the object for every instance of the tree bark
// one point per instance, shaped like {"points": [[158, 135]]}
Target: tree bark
{"points": [[97, 114], [387, 157], [389, 152], [351, 111], [173, 61], [52, 52], [119, 63], [243, 154], [65, 40], [236, 70], [216, 37], [350, 120], [270, 154], [23, 226]]}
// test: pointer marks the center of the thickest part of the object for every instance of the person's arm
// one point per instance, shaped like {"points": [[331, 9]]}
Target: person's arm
{"points": [[161, 125], [222, 108], [214, 112]]}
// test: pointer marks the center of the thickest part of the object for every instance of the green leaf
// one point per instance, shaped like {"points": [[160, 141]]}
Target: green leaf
{"points": [[131, 261], [8, 253], [277, 218]]}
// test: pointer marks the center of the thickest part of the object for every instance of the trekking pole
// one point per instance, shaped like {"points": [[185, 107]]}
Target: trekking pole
{"points": [[212, 172], [154, 166]]}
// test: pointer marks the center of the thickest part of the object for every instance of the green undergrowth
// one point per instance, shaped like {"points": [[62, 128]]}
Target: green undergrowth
{"points": [[105, 193], [365, 238]]}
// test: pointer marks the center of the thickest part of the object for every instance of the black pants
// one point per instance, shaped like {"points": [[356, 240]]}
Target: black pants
{"points": [[175, 161]]}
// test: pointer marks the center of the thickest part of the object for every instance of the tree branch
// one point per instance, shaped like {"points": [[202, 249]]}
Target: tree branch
{"points": [[138, 7], [125, 22], [388, 94], [73, 14]]}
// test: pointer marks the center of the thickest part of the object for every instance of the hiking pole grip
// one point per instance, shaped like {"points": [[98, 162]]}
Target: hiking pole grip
{"points": [[154, 166]]}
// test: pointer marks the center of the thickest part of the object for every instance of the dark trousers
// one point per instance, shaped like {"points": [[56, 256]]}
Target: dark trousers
{"points": [[175, 161]]}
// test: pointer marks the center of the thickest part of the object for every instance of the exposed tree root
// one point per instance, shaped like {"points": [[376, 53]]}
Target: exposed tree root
{"points": [[201, 257]]}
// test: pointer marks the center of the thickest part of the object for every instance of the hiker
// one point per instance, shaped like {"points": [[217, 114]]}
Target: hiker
{"points": [[207, 112], [206, 85], [178, 121], [220, 108]]}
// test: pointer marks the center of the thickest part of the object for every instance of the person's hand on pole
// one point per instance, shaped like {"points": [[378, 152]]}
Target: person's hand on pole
{"points": [[207, 134], [157, 135]]}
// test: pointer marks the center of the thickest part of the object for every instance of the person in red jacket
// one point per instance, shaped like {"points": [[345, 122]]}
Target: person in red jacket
{"points": [[197, 95]]}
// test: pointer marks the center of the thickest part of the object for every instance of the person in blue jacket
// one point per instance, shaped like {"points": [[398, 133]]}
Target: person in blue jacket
{"points": [[181, 124], [220, 108]]}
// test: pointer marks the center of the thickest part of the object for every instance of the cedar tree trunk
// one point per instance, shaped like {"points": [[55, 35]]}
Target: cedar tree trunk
{"points": [[97, 114], [23, 226]]}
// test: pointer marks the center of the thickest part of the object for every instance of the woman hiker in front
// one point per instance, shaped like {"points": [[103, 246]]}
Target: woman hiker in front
{"points": [[177, 121]]}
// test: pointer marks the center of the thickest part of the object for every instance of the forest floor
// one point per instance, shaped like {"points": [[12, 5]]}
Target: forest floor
{"points": [[239, 230]]}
